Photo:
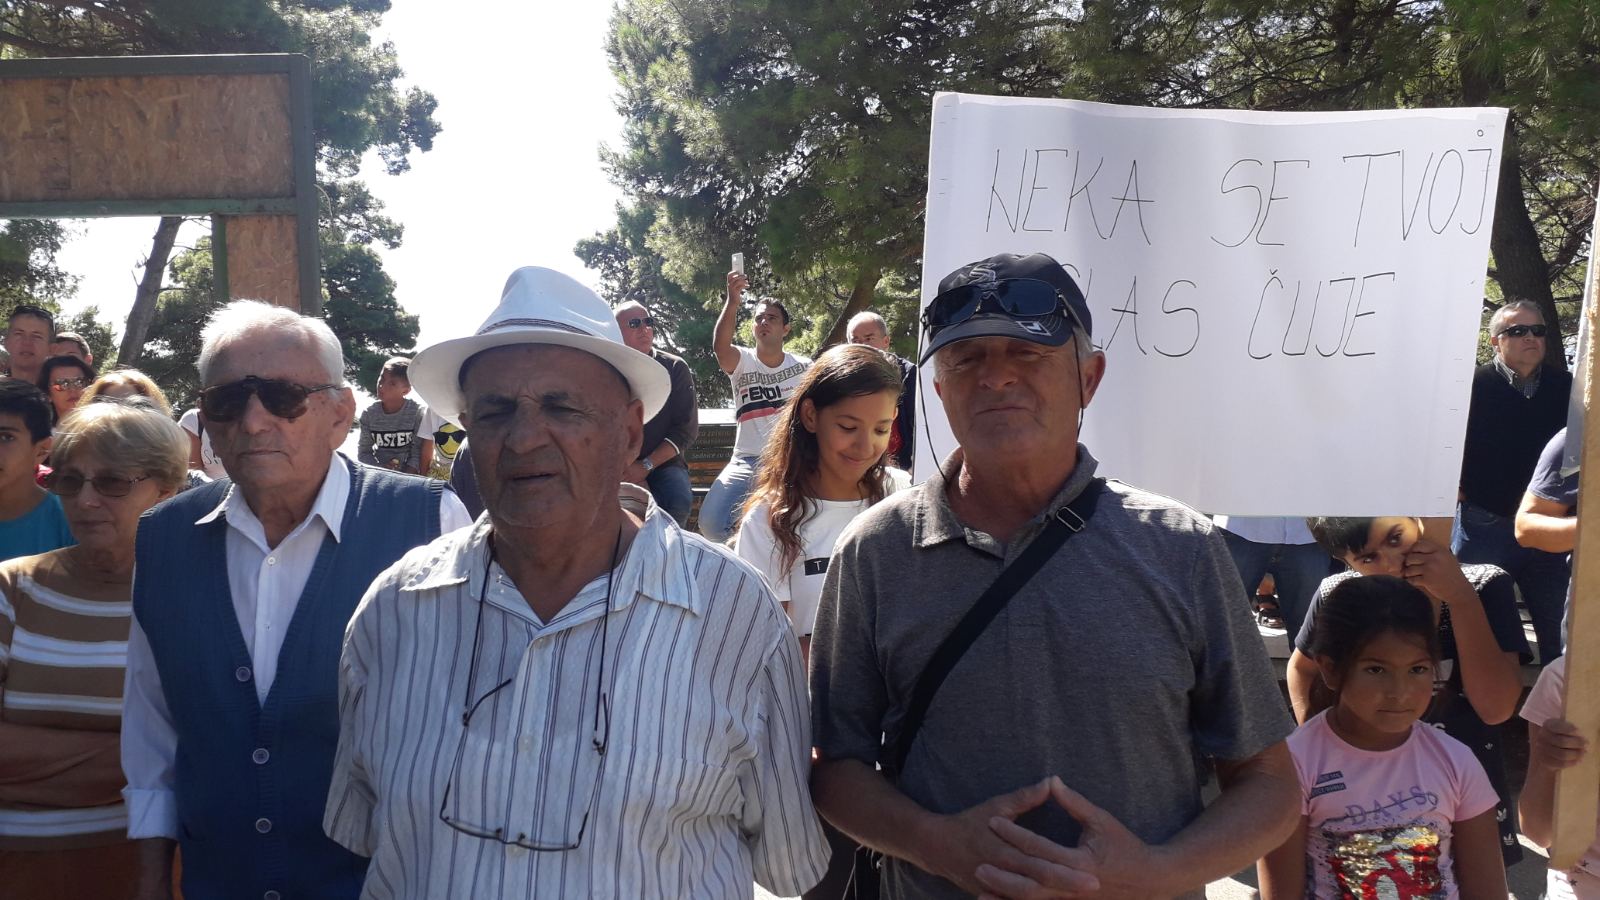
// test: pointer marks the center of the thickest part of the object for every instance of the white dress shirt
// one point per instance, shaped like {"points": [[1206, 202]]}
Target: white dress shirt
{"points": [[265, 583], [702, 787]]}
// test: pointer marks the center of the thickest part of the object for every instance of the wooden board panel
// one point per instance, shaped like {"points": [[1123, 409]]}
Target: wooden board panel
{"points": [[1578, 788], [262, 262], [126, 138]]}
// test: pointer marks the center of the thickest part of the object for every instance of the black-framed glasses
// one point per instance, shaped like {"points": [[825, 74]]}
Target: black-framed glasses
{"points": [[1517, 331], [642, 322], [70, 484], [62, 385], [1023, 298], [284, 399], [600, 736]]}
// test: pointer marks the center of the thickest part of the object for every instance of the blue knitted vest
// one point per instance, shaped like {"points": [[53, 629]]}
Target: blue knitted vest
{"points": [[252, 778]]}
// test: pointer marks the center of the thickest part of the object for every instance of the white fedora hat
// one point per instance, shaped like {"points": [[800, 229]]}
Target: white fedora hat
{"points": [[539, 306]]}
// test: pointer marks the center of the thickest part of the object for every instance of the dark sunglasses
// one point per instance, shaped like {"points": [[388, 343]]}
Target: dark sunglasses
{"points": [[67, 384], [67, 484], [1024, 298], [1517, 331], [638, 322], [284, 399]]}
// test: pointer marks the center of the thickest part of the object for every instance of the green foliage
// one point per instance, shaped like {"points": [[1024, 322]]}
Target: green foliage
{"points": [[797, 133], [28, 273], [174, 346]]}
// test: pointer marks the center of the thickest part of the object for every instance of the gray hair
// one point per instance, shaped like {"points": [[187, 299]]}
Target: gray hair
{"points": [[866, 315], [130, 432], [1086, 351], [1504, 313], [629, 304], [242, 318]]}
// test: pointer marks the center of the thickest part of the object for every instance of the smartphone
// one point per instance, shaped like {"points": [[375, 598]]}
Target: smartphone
{"points": [[738, 263]]}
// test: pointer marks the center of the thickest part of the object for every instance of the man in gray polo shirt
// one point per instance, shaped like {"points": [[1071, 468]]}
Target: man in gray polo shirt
{"points": [[1063, 753]]}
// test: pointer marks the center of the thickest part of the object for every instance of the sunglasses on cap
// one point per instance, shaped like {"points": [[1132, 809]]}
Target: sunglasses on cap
{"points": [[641, 321], [68, 484], [284, 399], [1020, 298], [1517, 331]]}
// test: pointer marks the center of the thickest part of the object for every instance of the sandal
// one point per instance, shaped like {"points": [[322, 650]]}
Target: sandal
{"points": [[1268, 613]]}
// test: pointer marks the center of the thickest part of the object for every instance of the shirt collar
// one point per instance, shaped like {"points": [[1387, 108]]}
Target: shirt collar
{"points": [[655, 566], [936, 521], [329, 504], [1528, 386]]}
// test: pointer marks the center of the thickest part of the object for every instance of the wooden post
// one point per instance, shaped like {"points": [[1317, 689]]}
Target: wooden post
{"points": [[1578, 788]]}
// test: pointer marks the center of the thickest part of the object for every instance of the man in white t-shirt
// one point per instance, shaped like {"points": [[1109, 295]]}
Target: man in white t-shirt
{"points": [[763, 378]]}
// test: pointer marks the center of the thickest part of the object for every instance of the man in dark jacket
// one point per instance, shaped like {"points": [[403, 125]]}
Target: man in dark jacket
{"points": [[1518, 402], [661, 466]]}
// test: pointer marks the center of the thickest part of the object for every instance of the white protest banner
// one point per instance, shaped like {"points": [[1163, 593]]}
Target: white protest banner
{"points": [[1289, 302]]}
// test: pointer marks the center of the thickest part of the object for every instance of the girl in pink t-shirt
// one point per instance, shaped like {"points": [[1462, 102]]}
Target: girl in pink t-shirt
{"points": [[1554, 744], [1390, 807]]}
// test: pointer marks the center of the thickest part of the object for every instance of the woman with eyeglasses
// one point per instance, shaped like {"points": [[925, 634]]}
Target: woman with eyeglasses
{"points": [[65, 617], [63, 379]]}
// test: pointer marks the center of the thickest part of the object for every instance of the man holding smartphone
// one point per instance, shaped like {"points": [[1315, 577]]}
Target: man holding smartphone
{"points": [[763, 378]]}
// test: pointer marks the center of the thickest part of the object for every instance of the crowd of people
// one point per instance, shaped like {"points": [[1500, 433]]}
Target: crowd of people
{"points": [[235, 662]]}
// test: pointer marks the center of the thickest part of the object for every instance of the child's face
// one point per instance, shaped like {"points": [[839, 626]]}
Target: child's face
{"points": [[392, 387], [1389, 539], [1384, 689], [19, 455]]}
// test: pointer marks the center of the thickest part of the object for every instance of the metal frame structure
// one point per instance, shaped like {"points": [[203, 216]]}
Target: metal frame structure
{"points": [[302, 205]]}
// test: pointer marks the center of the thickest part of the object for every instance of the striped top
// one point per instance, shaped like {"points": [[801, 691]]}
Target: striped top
{"points": [[63, 649], [701, 789]]}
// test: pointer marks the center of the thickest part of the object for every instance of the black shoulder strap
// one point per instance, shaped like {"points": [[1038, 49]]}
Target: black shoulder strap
{"points": [[1067, 521]]}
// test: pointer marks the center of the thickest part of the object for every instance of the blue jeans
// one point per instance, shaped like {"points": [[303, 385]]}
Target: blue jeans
{"points": [[726, 496], [1480, 536], [1297, 569], [673, 492]]}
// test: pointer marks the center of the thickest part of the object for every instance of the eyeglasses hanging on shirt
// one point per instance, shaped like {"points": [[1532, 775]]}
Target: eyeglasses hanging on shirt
{"points": [[478, 823]]}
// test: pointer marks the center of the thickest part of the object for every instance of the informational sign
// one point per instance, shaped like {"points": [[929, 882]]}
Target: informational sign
{"points": [[1289, 302]]}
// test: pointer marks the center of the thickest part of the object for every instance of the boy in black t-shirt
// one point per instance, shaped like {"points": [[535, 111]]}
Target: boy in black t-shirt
{"points": [[1480, 638]]}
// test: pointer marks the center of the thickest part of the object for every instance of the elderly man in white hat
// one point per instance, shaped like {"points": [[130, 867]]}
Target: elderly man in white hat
{"points": [[573, 698]]}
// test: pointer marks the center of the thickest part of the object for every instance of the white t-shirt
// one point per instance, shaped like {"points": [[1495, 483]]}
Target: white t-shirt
{"points": [[1544, 704], [758, 395], [211, 463], [1385, 816], [801, 586]]}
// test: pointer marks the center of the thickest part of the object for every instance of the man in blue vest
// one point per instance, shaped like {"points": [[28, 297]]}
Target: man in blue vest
{"points": [[242, 591]]}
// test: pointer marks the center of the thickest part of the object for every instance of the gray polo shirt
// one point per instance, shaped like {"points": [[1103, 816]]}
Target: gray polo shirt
{"points": [[1128, 659]]}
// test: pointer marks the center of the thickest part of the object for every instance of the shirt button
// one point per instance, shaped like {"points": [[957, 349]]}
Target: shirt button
{"points": [[271, 895], [260, 756], [242, 673], [272, 560], [263, 825], [525, 744]]}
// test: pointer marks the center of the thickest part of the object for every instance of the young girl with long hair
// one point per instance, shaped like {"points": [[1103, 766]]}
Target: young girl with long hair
{"points": [[822, 465], [1391, 807]]}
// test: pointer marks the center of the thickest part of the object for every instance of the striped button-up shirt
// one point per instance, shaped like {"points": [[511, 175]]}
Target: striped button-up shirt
{"points": [[702, 785]]}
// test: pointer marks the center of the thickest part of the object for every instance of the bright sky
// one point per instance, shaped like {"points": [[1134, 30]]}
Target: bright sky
{"points": [[514, 178]]}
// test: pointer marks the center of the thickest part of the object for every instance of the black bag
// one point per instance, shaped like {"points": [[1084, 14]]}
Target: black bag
{"points": [[1067, 521]]}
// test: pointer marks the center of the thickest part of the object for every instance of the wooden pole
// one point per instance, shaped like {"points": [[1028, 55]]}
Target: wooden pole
{"points": [[1578, 788]]}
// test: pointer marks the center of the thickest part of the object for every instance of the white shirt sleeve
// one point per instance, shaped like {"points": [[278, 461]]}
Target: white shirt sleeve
{"points": [[757, 546], [190, 422], [149, 745], [452, 512], [431, 423]]}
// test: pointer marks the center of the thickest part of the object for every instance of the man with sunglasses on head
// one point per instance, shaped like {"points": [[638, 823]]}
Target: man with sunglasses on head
{"points": [[1518, 403], [661, 467], [574, 697], [242, 591], [29, 330], [1059, 755]]}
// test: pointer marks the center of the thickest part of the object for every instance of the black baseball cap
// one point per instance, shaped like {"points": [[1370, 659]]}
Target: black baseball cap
{"points": [[1051, 330]]}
